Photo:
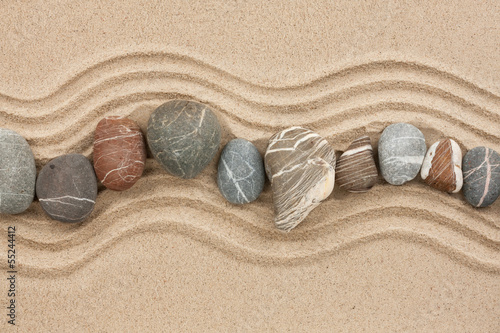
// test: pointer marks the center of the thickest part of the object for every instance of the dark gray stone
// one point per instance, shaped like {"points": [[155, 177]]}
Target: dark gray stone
{"points": [[401, 151], [481, 170], [67, 188], [17, 173], [184, 137], [241, 173]]}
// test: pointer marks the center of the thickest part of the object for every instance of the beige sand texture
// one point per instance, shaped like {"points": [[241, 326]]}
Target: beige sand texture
{"points": [[171, 255]]}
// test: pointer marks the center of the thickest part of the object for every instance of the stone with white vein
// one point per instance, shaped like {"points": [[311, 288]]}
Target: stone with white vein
{"points": [[241, 174], [301, 167], [17, 173], [67, 188], [184, 137], [401, 151], [481, 167]]}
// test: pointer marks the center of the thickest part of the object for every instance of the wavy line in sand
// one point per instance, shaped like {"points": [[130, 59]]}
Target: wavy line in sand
{"points": [[226, 244], [367, 119], [455, 232], [450, 212], [352, 81], [90, 106], [367, 101], [358, 92], [156, 60], [119, 104], [149, 80]]}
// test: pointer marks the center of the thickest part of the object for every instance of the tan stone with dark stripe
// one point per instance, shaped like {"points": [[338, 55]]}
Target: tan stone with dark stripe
{"points": [[301, 167], [356, 170]]}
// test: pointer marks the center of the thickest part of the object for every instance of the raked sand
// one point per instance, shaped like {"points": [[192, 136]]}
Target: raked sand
{"points": [[172, 255]]}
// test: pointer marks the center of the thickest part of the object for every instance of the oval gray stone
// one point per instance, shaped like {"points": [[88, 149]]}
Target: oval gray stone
{"points": [[401, 151], [67, 188], [481, 171], [17, 173], [184, 137], [241, 173]]}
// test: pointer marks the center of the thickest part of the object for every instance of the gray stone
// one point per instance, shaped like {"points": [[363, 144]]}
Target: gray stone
{"points": [[401, 151], [17, 173], [67, 188], [184, 137], [481, 171], [241, 173]]}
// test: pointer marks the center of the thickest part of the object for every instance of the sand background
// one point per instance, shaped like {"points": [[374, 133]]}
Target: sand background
{"points": [[171, 254]]}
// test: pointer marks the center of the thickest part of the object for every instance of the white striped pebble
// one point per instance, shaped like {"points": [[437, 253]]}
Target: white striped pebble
{"points": [[356, 170], [301, 167]]}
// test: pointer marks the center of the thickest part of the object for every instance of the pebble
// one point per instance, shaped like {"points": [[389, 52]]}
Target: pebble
{"points": [[17, 173], [442, 166], [401, 151], [119, 153], [67, 188], [241, 173], [301, 167], [481, 167], [184, 137], [356, 170]]}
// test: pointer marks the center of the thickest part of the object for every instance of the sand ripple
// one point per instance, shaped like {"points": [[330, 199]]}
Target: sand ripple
{"points": [[360, 99], [364, 94], [195, 209]]}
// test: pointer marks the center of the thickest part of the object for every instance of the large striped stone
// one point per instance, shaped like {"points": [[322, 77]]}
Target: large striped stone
{"points": [[401, 151], [481, 167], [301, 167], [442, 166], [356, 170]]}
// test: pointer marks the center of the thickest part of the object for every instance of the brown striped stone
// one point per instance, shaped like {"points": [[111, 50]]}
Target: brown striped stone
{"points": [[301, 167], [356, 170], [442, 166], [119, 153]]}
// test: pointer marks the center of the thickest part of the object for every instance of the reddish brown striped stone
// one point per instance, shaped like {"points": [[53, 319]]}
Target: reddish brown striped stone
{"points": [[442, 165], [119, 153], [356, 169]]}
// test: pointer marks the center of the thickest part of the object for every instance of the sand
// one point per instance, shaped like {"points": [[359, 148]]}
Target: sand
{"points": [[172, 254]]}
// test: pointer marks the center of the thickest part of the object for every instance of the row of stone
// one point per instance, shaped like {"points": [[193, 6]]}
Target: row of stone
{"points": [[302, 166], [184, 136]]}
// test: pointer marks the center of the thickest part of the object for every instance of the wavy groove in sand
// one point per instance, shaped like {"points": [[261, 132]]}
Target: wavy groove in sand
{"points": [[65, 266], [152, 61], [104, 87], [355, 99], [340, 122], [458, 231], [201, 191], [366, 92]]}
